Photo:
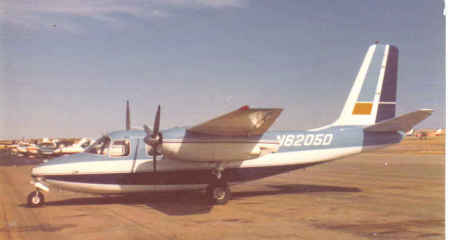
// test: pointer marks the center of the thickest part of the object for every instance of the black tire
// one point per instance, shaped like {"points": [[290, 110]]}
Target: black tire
{"points": [[218, 193], [35, 199]]}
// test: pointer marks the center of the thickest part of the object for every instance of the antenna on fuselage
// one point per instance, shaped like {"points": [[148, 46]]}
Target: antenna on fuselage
{"points": [[128, 121]]}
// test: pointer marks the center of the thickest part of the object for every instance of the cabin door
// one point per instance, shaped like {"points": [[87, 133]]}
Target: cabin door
{"points": [[143, 161]]}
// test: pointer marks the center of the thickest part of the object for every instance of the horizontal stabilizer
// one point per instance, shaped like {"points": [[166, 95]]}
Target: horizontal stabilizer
{"points": [[402, 123]]}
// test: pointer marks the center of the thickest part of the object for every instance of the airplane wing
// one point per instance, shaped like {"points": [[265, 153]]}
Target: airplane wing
{"points": [[244, 121]]}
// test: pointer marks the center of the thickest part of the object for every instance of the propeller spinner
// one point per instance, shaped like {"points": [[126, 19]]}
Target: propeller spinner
{"points": [[154, 138]]}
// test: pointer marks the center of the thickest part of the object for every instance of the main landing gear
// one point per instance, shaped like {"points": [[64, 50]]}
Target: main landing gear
{"points": [[218, 193], [35, 199]]}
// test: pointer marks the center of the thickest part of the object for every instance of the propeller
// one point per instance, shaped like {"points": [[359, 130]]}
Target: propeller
{"points": [[128, 120], [154, 138]]}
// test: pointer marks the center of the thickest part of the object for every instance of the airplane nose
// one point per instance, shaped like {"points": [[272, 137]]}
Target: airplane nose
{"points": [[57, 166], [40, 170]]}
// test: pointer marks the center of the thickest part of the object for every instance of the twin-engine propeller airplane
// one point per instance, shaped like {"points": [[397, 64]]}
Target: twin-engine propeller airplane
{"points": [[234, 147]]}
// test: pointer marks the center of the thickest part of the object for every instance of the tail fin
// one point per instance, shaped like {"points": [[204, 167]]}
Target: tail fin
{"points": [[373, 95]]}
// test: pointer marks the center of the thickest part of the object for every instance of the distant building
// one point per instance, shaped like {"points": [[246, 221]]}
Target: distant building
{"points": [[439, 132]]}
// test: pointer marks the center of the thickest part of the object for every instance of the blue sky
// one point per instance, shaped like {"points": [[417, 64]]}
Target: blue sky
{"points": [[67, 67]]}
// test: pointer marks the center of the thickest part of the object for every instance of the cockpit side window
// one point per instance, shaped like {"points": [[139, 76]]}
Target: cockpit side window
{"points": [[85, 145], [120, 148], [101, 146]]}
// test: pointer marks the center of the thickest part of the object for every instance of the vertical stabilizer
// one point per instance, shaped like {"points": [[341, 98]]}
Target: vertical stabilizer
{"points": [[373, 95]]}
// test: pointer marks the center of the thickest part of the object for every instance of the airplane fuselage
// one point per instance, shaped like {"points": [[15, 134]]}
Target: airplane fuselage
{"points": [[104, 174]]}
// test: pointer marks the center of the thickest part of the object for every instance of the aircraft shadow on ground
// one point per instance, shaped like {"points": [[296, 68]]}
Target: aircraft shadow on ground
{"points": [[170, 203], [293, 189], [192, 203]]}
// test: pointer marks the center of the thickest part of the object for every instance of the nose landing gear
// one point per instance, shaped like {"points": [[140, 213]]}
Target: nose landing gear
{"points": [[35, 199]]}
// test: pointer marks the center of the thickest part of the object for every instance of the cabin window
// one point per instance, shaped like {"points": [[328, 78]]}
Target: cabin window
{"points": [[85, 145], [101, 146], [120, 148]]}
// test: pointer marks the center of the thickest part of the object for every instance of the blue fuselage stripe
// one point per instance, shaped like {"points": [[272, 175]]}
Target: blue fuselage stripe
{"points": [[184, 177]]}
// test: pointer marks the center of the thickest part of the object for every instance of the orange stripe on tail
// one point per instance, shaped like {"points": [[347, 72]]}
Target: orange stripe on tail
{"points": [[362, 108]]}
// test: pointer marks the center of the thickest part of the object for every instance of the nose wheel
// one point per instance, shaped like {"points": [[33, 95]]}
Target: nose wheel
{"points": [[35, 199], [218, 193]]}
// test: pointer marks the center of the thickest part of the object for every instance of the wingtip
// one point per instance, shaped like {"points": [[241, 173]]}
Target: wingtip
{"points": [[244, 108], [428, 110]]}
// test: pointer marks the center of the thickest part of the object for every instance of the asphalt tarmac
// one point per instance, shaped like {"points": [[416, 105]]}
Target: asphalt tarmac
{"points": [[395, 193]]}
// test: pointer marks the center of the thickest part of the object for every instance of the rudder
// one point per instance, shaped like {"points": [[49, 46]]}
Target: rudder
{"points": [[373, 95]]}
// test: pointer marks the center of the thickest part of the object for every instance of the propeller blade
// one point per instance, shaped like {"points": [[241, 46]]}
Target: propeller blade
{"points": [[154, 160], [154, 138], [156, 123], [128, 120], [147, 130], [148, 138]]}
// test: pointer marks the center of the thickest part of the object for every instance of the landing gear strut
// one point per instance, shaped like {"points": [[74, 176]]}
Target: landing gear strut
{"points": [[217, 171], [35, 199], [218, 193]]}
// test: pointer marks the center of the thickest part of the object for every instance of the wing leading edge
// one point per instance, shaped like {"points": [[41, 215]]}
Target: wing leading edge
{"points": [[242, 122]]}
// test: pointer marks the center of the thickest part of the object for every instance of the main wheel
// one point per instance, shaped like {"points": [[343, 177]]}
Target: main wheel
{"points": [[218, 193], [35, 199]]}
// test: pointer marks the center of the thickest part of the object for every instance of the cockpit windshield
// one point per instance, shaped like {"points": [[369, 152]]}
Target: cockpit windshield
{"points": [[100, 146]]}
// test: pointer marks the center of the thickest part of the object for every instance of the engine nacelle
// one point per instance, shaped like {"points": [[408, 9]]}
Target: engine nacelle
{"points": [[220, 150]]}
